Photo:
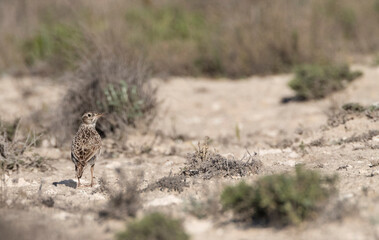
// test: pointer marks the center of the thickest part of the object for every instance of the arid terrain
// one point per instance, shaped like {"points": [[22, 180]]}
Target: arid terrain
{"points": [[239, 117]]}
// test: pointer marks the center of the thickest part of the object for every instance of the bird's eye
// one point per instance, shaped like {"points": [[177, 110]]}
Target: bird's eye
{"points": [[89, 114]]}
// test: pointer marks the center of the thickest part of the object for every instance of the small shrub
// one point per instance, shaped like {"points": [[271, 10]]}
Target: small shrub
{"points": [[154, 226], [279, 199], [208, 164], [124, 202], [318, 81], [12, 149], [171, 183], [349, 111], [112, 83]]}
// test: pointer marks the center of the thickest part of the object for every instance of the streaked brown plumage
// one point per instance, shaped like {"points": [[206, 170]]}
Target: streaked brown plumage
{"points": [[86, 145]]}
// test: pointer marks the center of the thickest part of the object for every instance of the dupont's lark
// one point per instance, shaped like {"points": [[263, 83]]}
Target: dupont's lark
{"points": [[86, 145]]}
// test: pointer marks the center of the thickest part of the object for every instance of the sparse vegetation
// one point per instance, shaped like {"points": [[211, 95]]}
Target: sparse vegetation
{"points": [[208, 164], [124, 202], [364, 137], [318, 81], [189, 38], [371, 111], [279, 199], [109, 83], [154, 226], [348, 111], [57, 45], [12, 149], [353, 107], [171, 183]]}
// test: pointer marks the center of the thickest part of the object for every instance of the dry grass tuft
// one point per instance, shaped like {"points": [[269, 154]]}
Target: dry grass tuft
{"points": [[171, 183], [124, 202], [364, 137], [349, 111], [208, 164], [13, 147]]}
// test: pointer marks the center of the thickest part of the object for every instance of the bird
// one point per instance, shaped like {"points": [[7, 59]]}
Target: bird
{"points": [[86, 145]]}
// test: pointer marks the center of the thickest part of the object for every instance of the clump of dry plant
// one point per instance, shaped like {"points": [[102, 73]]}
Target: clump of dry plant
{"points": [[340, 115], [109, 82], [208, 164], [13, 147], [171, 183], [125, 201]]}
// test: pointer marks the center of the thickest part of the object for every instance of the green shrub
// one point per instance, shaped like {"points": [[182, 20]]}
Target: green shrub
{"points": [[56, 44], [155, 226], [118, 97], [279, 199], [318, 81], [109, 82]]}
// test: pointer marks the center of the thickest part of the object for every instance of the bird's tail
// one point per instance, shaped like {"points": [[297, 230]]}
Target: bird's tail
{"points": [[79, 170]]}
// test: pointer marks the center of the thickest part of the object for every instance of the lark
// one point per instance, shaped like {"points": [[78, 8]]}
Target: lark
{"points": [[86, 145]]}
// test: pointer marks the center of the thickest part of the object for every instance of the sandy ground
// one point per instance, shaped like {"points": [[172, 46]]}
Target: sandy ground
{"points": [[190, 110]]}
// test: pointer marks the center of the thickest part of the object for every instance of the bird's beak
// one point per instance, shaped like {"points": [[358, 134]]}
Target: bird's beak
{"points": [[99, 115]]}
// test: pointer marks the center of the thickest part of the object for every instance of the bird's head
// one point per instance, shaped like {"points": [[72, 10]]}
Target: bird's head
{"points": [[90, 118]]}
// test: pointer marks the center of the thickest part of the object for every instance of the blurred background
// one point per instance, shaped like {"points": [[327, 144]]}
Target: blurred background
{"points": [[213, 37], [224, 119]]}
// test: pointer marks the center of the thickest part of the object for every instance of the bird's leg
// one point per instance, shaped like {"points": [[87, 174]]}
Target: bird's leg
{"points": [[92, 168], [78, 183]]}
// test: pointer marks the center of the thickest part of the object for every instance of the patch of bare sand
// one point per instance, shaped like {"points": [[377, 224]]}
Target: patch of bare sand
{"points": [[22, 96]]}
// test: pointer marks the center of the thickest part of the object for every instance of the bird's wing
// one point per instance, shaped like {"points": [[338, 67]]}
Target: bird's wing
{"points": [[84, 151]]}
